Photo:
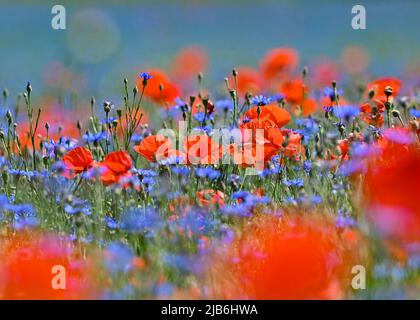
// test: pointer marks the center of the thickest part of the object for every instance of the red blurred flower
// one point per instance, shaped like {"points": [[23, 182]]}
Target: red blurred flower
{"points": [[26, 269], [116, 166], [77, 161], [294, 91], [279, 61], [290, 259], [391, 187], [201, 149], [248, 81], [153, 90], [154, 147], [379, 86], [189, 62]]}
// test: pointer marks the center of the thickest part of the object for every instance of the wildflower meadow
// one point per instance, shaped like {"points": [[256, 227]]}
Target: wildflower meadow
{"points": [[286, 179]]}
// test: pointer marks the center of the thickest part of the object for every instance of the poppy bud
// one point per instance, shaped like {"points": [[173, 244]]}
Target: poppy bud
{"points": [[305, 71], [119, 113], [47, 126], [9, 117], [395, 113], [125, 81], [388, 91], [107, 106], [371, 94], [5, 93], [235, 72], [28, 88], [135, 90], [210, 107], [192, 100]]}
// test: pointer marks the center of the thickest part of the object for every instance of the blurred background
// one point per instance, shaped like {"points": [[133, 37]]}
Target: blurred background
{"points": [[106, 41]]}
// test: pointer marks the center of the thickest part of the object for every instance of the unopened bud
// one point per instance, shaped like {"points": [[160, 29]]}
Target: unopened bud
{"points": [[388, 91]]}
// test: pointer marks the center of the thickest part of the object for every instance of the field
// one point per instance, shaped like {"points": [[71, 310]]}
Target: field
{"points": [[290, 179]]}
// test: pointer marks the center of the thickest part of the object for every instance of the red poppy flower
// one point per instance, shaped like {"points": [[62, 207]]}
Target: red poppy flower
{"points": [[289, 259], [78, 160], [201, 149], [248, 81], [372, 112], [270, 114], [292, 146], [153, 90], [189, 62], [116, 166], [379, 86], [27, 269], [323, 72], [154, 147], [293, 91], [279, 61], [308, 107], [391, 189]]}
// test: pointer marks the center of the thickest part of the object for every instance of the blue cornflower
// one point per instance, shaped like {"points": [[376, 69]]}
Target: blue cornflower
{"points": [[224, 105], [94, 138], [328, 108], [364, 150], [249, 199], [261, 100], [145, 76], [207, 172], [329, 92], [3, 161], [298, 182], [141, 220], [182, 262], [344, 220], [195, 222], [148, 183], [78, 206], [24, 215], [350, 167], [308, 128], [309, 200], [145, 172], [201, 116], [109, 120], [307, 166], [346, 112], [415, 113], [241, 210], [163, 290], [118, 257], [110, 222], [181, 170], [277, 97]]}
